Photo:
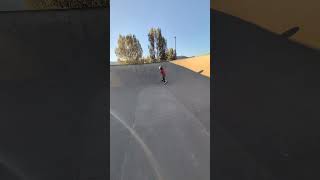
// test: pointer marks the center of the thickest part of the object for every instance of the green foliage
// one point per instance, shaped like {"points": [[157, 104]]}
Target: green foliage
{"points": [[158, 45], [129, 50], [52, 4], [161, 46], [152, 50], [171, 54], [145, 60]]}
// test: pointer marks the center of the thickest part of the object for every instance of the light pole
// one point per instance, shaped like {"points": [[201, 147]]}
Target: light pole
{"points": [[175, 46]]}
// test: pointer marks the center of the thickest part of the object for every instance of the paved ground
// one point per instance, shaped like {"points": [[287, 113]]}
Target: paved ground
{"points": [[266, 98], [157, 131]]}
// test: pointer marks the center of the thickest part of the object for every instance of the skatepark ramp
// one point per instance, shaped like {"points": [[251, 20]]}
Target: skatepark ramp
{"points": [[266, 104], [278, 16], [159, 131]]}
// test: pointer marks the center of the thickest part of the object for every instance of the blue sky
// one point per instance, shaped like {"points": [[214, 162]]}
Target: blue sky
{"points": [[189, 20]]}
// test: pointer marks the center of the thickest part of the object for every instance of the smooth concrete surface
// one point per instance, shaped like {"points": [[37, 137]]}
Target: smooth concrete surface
{"points": [[52, 95], [266, 104], [159, 131]]}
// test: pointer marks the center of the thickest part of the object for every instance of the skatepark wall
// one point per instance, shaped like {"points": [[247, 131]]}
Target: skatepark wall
{"points": [[53, 93], [266, 98], [278, 16]]}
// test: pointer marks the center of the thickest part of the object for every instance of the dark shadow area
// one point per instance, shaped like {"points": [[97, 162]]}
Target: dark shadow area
{"points": [[266, 104], [23, 5], [53, 94], [200, 71], [289, 33], [7, 173], [12, 5]]}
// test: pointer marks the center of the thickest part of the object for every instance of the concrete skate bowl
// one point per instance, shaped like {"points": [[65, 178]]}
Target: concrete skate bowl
{"points": [[159, 131], [266, 103]]}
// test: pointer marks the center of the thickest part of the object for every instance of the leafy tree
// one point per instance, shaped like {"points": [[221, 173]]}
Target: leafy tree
{"points": [[161, 46], [146, 60], [129, 49], [51, 4], [171, 54], [152, 50], [158, 45]]}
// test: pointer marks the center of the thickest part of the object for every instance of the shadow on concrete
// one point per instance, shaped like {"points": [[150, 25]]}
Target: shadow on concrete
{"points": [[53, 94], [8, 174], [201, 71], [266, 103], [291, 32]]}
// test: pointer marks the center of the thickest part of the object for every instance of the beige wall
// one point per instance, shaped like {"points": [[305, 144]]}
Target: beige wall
{"points": [[196, 64], [278, 16]]}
